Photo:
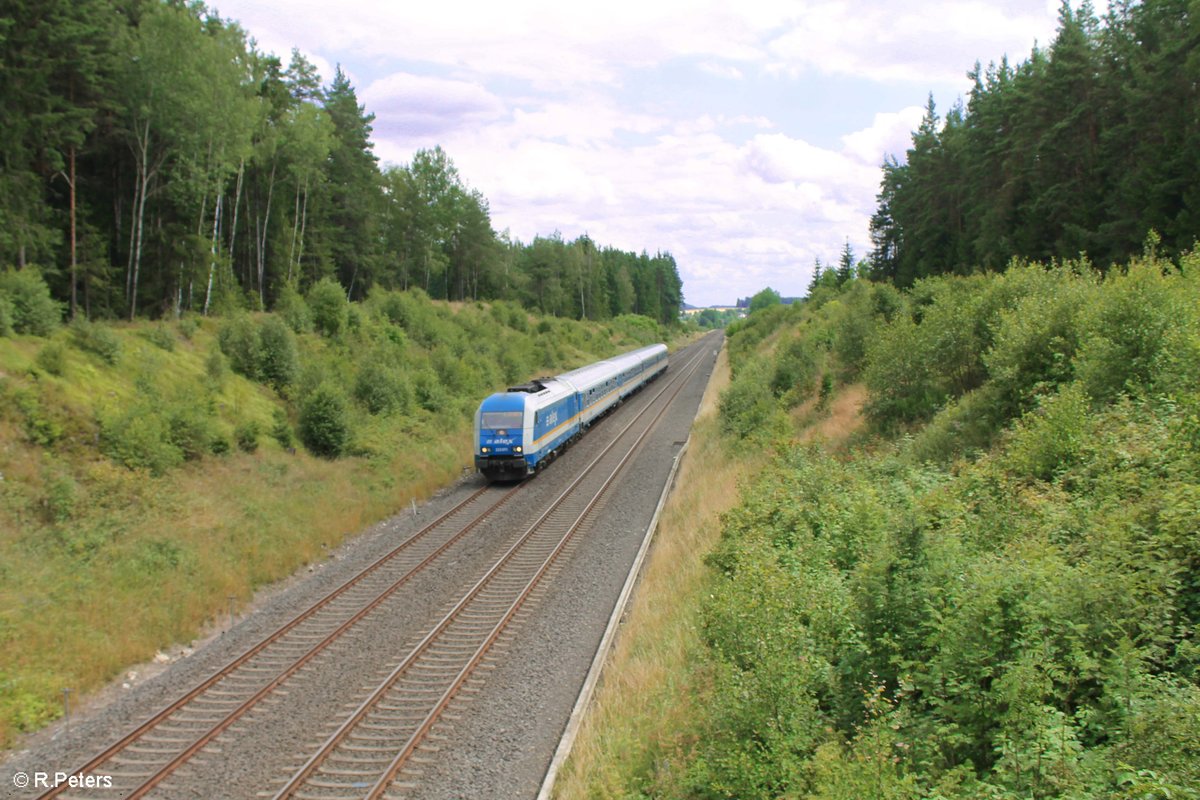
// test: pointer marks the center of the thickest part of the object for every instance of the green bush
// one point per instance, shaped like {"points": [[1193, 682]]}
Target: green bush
{"points": [[1127, 328], [1036, 341], [295, 311], [239, 341], [97, 338], [748, 403], [795, 373], [281, 429], [329, 306], [325, 422], [61, 497], [189, 429], [42, 425], [429, 392], [29, 303], [966, 425], [899, 375], [382, 389], [1049, 439], [216, 366], [278, 360], [139, 438], [53, 358], [246, 436]]}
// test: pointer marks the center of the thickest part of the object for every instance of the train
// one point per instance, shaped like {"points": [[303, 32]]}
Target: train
{"points": [[519, 431]]}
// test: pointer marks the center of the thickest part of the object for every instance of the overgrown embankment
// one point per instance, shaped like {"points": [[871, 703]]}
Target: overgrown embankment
{"points": [[151, 471], [993, 591]]}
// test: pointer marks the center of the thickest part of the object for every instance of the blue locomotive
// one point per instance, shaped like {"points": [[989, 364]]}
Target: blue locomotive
{"points": [[519, 431]]}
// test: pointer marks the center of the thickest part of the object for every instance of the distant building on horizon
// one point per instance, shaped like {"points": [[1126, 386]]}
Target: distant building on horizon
{"points": [[689, 310]]}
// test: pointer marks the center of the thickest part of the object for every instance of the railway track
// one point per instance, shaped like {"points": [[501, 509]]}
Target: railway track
{"points": [[379, 742], [147, 756]]}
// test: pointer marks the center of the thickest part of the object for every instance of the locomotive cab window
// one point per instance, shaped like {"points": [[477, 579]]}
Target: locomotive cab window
{"points": [[500, 420]]}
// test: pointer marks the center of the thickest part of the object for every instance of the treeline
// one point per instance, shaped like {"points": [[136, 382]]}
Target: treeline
{"points": [[1083, 148], [155, 161], [993, 590]]}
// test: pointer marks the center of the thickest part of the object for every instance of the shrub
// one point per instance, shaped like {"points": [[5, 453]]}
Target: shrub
{"points": [[246, 435], [325, 422], [238, 338], [327, 300], [898, 375], [97, 338], [278, 361], [1049, 439], [61, 498], [382, 389], [967, 424], [294, 310], [33, 310], [1127, 328], [53, 358], [429, 392], [1036, 342], [190, 430], [795, 371], [216, 366], [748, 403], [139, 438], [41, 425], [281, 429]]}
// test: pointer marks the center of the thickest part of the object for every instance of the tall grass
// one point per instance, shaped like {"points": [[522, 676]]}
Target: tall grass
{"points": [[645, 697]]}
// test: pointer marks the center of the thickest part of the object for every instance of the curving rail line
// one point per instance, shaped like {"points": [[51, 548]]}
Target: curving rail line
{"points": [[379, 739], [417, 691]]}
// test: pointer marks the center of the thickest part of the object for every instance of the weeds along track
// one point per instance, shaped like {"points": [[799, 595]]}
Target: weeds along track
{"points": [[145, 756], [378, 750]]}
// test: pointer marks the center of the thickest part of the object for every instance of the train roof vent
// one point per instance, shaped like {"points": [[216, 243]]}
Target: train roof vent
{"points": [[533, 387]]}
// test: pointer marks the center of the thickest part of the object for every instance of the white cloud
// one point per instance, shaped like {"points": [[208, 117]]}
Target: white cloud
{"points": [[659, 125], [929, 42], [408, 106], [889, 135]]}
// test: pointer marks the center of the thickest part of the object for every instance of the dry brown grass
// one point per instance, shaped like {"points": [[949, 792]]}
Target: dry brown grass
{"points": [[645, 698], [842, 418]]}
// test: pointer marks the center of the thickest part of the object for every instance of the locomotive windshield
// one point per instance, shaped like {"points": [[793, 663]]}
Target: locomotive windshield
{"points": [[500, 420]]}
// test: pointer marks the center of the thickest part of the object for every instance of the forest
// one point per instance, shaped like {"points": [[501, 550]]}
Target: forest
{"points": [[1081, 149], [156, 162]]}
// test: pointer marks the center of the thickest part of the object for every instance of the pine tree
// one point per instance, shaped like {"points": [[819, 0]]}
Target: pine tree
{"points": [[354, 192]]}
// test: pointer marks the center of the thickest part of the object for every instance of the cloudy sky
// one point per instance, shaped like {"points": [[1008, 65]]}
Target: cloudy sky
{"points": [[745, 142]]}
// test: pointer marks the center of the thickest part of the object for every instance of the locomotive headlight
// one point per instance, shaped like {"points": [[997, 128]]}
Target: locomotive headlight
{"points": [[518, 449], [484, 450]]}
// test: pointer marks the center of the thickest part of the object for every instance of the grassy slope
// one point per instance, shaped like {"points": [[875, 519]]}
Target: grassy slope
{"points": [[101, 566], [643, 714], [1016, 619]]}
